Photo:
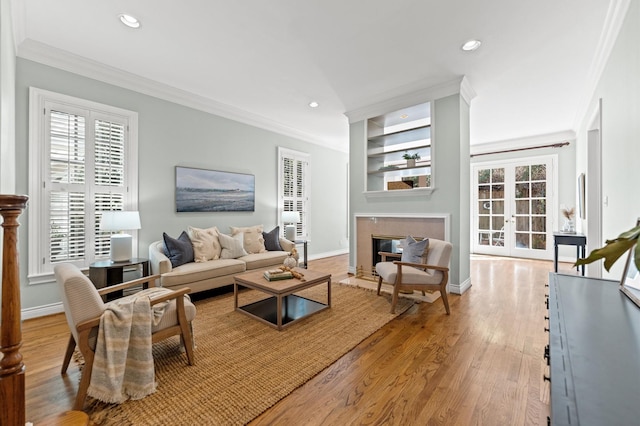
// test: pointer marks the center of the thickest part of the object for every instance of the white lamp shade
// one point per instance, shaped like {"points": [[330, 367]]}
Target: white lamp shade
{"points": [[119, 221], [291, 217]]}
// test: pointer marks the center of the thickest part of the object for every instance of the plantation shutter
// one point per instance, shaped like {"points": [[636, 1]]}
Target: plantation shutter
{"points": [[87, 175], [109, 177], [67, 135], [294, 193]]}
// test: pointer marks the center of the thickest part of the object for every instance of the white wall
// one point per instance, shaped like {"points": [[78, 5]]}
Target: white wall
{"points": [[172, 134], [619, 88]]}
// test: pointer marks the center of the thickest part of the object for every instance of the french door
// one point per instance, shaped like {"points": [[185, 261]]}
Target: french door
{"points": [[512, 207]]}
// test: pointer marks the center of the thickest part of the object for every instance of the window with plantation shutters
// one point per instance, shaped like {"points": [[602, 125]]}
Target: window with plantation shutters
{"points": [[83, 161], [293, 193]]}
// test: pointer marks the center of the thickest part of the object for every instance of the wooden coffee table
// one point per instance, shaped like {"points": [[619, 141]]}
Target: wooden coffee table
{"points": [[283, 308]]}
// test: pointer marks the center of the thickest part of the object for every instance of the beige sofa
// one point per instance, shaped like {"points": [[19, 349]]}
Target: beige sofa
{"points": [[200, 276]]}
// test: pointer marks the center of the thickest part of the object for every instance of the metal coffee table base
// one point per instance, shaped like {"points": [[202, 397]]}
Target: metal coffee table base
{"points": [[284, 307], [293, 308]]}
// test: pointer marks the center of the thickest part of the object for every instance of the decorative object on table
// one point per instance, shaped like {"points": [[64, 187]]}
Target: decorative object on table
{"points": [[295, 254], [199, 190], [121, 243], [290, 218], [290, 261], [569, 225], [612, 251], [296, 274], [277, 274], [411, 158]]}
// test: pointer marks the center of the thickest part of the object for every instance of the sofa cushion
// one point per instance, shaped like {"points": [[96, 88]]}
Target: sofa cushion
{"points": [[179, 251], [198, 271], [263, 260], [412, 250], [232, 247], [272, 239], [205, 243], [253, 240]]}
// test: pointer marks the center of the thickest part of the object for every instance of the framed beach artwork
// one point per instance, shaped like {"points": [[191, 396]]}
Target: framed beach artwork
{"points": [[201, 190]]}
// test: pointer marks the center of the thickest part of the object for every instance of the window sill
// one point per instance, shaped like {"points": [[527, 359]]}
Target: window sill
{"points": [[47, 277]]}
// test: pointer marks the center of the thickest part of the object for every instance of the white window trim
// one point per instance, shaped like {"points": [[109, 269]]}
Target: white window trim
{"points": [[302, 156], [37, 125]]}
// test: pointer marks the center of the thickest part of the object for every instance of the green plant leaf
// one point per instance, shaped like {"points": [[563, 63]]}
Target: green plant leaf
{"points": [[611, 252], [631, 234]]}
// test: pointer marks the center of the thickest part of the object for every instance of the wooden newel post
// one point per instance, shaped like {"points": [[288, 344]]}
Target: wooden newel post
{"points": [[12, 390]]}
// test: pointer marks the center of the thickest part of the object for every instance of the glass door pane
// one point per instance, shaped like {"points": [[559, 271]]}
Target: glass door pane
{"points": [[490, 198], [530, 207]]}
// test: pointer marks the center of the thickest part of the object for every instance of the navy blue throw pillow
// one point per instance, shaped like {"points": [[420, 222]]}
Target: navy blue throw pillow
{"points": [[179, 251], [272, 239]]}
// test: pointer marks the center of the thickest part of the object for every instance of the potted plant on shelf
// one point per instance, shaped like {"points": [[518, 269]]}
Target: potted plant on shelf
{"points": [[411, 158]]}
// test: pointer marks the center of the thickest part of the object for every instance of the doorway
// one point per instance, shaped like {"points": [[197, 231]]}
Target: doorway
{"points": [[512, 205]]}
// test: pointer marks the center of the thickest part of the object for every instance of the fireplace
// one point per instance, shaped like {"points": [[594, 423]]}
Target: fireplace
{"points": [[390, 244], [383, 233]]}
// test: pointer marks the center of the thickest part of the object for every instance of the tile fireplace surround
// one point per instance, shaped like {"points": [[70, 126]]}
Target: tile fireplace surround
{"points": [[393, 227]]}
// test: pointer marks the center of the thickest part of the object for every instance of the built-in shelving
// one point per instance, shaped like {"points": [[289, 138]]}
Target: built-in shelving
{"points": [[389, 138]]}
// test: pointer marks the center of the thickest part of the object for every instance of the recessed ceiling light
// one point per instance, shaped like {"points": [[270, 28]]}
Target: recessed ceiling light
{"points": [[314, 104], [471, 45], [129, 20], [403, 116]]}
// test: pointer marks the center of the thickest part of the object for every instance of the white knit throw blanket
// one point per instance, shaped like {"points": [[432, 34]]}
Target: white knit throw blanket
{"points": [[123, 363]]}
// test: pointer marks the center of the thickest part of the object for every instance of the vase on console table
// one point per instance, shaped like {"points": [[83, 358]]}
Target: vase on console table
{"points": [[569, 226]]}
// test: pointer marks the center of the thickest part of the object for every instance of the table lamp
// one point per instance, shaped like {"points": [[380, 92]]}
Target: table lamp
{"points": [[119, 221], [290, 230]]}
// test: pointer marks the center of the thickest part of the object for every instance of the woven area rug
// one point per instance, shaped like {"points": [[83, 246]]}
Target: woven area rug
{"points": [[243, 366]]}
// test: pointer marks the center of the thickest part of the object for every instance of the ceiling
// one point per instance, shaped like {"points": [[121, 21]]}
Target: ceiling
{"points": [[262, 62]]}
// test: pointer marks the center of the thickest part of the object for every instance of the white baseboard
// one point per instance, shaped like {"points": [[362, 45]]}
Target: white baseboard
{"points": [[460, 288], [328, 254], [42, 311]]}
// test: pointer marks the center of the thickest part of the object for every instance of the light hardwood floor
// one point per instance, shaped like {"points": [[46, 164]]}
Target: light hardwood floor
{"points": [[482, 364]]}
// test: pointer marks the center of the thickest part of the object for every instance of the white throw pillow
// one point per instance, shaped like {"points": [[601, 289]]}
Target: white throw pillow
{"points": [[205, 243], [232, 247], [253, 238]]}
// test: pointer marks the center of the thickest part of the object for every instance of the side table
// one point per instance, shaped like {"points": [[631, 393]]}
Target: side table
{"points": [[104, 273], [575, 239]]}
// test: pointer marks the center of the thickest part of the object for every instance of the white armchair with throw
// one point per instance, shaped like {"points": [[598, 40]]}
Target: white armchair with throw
{"points": [[84, 308], [424, 265]]}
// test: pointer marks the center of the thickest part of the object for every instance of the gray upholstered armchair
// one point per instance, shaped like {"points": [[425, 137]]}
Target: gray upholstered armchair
{"points": [[430, 273]]}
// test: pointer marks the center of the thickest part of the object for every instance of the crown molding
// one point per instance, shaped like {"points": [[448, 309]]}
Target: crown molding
{"points": [[57, 58], [409, 99], [526, 142], [466, 90], [613, 23]]}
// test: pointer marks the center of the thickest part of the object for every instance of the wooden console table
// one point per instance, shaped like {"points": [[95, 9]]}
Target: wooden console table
{"points": [[594, 352]]}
